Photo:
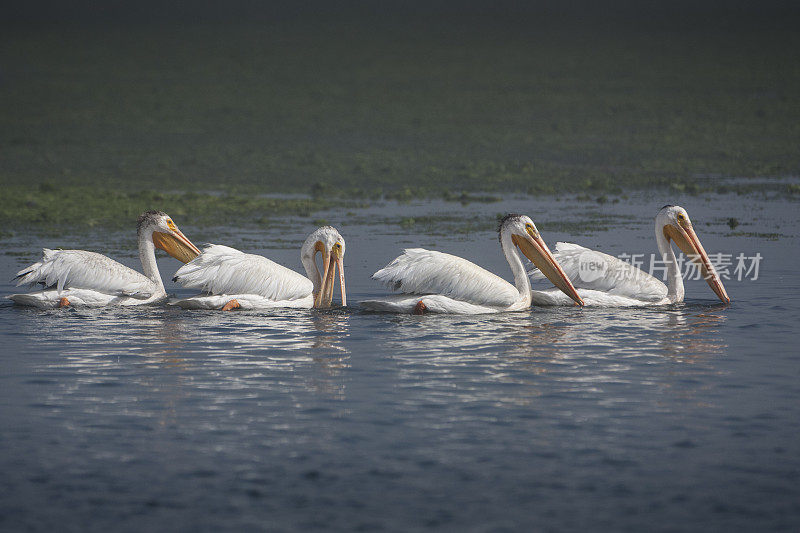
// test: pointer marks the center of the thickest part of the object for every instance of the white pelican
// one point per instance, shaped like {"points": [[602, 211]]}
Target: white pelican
{"points": [[88, 279], [436, 282], [231, 279], [603, 280]]}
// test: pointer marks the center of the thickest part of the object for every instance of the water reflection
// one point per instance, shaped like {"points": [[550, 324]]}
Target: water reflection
{"points": [[578, 349], [170, 350], [312, 410], [692, 336], [553, 351], [604, 334], [168, 336]]}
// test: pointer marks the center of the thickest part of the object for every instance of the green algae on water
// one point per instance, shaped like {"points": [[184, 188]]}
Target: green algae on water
{"points": [[53, 206]]}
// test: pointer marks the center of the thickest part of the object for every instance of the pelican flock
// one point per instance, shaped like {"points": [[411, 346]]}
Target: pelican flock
{"points": [[426, 281], [437, 282], [89, 279], [616, 283], [230, 279]]}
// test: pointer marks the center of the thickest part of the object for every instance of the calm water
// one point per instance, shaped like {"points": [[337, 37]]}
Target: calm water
{"points": [[675, 418]]}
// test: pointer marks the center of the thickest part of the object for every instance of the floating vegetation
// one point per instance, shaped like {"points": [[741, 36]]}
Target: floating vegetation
{"points": [[466, 198], [535, 112], [445, 224], [686, 187], [758, 235], [88, 144], [54, 207]]}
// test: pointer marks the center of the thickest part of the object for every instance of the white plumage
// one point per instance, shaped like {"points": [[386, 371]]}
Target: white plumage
{"points": [[229, 278], [436, 282], [606, 281], [82, 278], [434, 303], [51, 299], [225, 270], [620, 285], [420, 271], [79, 269]]}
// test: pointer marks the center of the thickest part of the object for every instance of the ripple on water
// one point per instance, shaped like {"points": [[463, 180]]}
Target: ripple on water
{"points": [[683, 414]]}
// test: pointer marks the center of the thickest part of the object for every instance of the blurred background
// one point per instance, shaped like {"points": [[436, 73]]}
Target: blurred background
{"points": [[252, 123], [108, 108]]}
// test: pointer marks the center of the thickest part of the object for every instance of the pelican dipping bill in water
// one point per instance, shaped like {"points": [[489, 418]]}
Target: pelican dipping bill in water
{"points": [[437, 282], [89, 279], [231, 279], [611, 282]]}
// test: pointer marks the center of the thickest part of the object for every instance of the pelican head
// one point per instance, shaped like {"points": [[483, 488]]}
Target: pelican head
{"points": [[330, 243], [526, 237], [166, 235], [673, 221]]}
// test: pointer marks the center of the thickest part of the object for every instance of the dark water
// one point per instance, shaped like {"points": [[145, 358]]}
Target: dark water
{"points": [[674, 418]]}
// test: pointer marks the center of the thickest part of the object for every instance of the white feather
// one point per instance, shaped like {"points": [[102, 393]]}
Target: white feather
{"points": [[51, 299], [444, 283], [245, 301], [619, 284], [590, 297], [221, 270], [434, 303], [79, 269], [420, 271]]}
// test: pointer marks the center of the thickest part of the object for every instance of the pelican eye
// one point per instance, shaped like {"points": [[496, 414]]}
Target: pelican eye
{"points": [[530, 229], [171, 225]]}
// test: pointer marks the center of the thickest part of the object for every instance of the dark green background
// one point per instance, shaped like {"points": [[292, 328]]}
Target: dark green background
{"points": [[106, 111]]}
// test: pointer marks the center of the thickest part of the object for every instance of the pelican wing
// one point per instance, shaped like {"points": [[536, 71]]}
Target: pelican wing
{"points": [[79, 269], [224, 270], [607, 273], [420, 271]]}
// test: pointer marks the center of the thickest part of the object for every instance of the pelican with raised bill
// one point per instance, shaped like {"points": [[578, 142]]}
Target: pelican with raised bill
{"points": [[230, 279], [607, 281], [437, 282], [88, 279]]}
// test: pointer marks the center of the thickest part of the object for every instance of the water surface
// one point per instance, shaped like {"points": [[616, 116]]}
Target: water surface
{"points": [[683, 417]]}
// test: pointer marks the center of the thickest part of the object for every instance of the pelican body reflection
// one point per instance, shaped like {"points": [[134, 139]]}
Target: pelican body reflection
{"points": [[576, 349], [578, 352], [221, 352]]}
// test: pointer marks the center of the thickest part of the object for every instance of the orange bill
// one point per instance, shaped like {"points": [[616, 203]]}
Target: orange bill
{"points": [[686, 239], [176, 244], [535, 249], [332, 261]]}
